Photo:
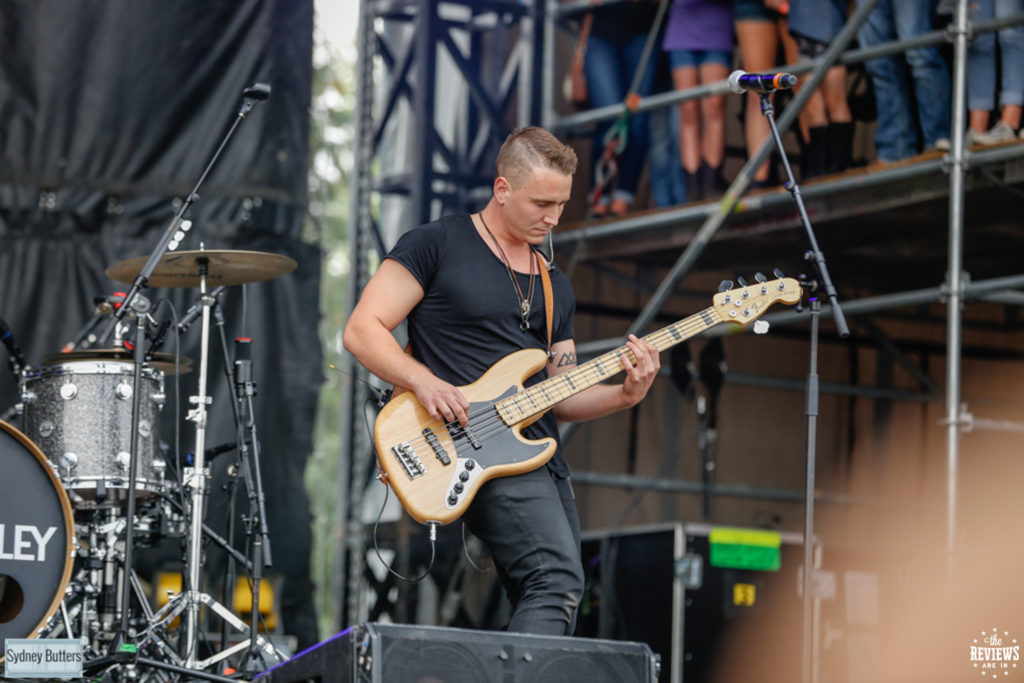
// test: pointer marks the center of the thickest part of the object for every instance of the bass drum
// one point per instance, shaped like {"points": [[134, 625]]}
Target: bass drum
{"points": [[36, 537]]}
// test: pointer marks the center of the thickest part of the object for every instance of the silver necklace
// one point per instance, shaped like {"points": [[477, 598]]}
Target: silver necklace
{"points": [[524, 301]]}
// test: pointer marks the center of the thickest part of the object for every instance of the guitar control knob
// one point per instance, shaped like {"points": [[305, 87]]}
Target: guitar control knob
{"points": [[470, 464], [464, 476], [458, 487], [453, 499]]}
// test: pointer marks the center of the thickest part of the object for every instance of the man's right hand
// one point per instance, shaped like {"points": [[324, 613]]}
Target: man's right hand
{"points": [[443, 401]]}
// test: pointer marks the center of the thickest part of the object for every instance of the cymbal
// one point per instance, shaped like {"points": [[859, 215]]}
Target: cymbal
{"points": [[224, 267], [161, 361]]}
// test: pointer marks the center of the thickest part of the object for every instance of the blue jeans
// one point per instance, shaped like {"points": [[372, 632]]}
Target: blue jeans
{"points": [[667, 185], [530, 525], [610, 68], [896, 135], [981, 58]]}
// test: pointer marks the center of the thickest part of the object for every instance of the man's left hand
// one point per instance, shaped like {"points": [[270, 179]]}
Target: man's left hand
{"points": [[639, 375]]}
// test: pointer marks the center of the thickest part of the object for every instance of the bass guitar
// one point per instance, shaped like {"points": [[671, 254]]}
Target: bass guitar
{"points": [[435, 468]]}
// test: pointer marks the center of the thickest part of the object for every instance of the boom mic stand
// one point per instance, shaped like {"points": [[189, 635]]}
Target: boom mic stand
{"points": [[815, 256], [172, 237]]}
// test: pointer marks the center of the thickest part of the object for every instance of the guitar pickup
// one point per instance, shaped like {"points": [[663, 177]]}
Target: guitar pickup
{"points": [[407, 457], [439, 451], [455, 430]]}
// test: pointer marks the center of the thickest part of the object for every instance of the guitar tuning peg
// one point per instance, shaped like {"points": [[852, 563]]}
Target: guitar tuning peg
{"points": [[743, 282], [777, 273], [725, 285], [760, 277]]}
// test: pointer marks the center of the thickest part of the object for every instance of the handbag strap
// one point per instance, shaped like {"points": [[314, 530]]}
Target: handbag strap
{"points": [[581, 44]]}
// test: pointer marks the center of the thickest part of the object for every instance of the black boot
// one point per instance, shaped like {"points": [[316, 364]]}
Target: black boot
{"points": [[815, 152], [711, 180], [694, 188], [840, 146]]}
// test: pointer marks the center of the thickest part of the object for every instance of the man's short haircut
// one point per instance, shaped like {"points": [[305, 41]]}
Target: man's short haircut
{"points": [[526, 149]]}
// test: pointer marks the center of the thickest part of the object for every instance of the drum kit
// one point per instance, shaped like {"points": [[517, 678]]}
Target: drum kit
{"points": [[86, 481]]}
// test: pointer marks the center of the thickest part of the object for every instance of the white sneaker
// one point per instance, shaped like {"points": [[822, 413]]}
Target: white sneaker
{"points": [[999, 133]]}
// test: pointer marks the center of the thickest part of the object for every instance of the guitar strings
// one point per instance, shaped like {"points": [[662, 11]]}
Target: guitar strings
{"points": [[487, 422]]}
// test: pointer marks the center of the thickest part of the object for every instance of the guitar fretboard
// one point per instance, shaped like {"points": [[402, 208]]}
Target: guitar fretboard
{"points": [[541, 397]]}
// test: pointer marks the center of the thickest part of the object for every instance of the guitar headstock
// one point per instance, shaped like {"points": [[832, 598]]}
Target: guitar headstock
{"points": [[745, 304]]}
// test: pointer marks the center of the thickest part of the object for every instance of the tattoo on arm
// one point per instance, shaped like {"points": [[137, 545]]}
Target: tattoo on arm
{"points": [[567, 359]]}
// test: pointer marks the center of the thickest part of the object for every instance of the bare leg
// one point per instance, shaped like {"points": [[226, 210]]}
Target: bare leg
{"points": [[689, 120]]}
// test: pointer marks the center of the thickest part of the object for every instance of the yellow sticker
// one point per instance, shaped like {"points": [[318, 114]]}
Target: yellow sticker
{"points": [[744, 594]]}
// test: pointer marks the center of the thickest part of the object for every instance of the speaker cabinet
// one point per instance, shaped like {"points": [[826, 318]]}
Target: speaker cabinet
{"points": [[396, 653]]}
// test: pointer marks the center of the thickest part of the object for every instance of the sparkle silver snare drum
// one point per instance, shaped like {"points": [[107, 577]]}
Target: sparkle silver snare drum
{"points": [[80, 415]]}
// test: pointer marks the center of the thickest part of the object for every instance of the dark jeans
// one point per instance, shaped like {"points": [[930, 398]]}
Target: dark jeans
{"points": [[530, 525]]}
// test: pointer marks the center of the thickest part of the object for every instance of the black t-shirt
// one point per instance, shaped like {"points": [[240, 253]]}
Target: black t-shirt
{"points": [[469, 317]]}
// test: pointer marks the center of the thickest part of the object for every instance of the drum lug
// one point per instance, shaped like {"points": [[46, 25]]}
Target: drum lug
{"points": [[68, 391], [68, 461]]}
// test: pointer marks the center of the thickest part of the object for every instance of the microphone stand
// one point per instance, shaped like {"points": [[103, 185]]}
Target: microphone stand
{"points": [[815, 256], [121, 643], [256, 527], [172, 236]]}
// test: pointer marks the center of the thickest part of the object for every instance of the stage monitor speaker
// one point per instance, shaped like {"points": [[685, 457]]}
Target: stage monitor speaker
{"points": [[395, 653]]}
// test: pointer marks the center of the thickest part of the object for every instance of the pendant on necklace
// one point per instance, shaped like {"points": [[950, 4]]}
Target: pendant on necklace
{"points": [[525, 305]]}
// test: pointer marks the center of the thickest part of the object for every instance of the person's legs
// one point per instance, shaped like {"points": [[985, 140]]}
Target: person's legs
{"points": [[757, 42], [634, 156], [1011, 45], [712, 112], [605, 86], [666, 171], [685, 77], [930, 76], [530, 525], [895, 134], [981, 70]]}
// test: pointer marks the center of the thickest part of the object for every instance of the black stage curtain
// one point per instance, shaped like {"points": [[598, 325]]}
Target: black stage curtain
{"points": [[109, 111]]}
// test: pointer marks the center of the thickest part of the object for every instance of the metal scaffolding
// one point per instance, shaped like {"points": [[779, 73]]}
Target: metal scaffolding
{"points": [[411, 51]]}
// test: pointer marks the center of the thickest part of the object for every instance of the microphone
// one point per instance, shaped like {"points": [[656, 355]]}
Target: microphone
{"points": [[257, 91], [243, 367], [741, 81], [16, 359], [197, 308]]}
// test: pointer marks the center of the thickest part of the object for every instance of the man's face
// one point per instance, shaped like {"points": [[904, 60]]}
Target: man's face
{"points": [[533, 207]]}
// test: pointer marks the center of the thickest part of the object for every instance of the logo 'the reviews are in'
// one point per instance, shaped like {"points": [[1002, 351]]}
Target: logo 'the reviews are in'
{"points": [[995, 653]]}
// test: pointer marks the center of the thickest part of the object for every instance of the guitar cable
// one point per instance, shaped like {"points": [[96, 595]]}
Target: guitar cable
{"points": [[380, 514]]}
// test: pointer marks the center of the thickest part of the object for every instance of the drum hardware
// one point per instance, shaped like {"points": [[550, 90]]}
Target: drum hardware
{"points": [[195, 477]]}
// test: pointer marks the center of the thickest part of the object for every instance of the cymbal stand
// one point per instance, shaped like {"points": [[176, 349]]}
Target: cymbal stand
{"points": [[232, 472], [190, 600]]}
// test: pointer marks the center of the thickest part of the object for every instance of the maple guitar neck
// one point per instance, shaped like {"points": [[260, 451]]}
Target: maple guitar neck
{"points": [[544, 395]]}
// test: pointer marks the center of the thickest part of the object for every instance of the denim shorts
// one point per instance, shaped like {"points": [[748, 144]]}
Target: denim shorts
{"points": [[809, 48], [695, 58], [753, 10]]}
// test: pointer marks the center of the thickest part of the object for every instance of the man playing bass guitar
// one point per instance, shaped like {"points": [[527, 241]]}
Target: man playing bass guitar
{"points": [[471, 290]]}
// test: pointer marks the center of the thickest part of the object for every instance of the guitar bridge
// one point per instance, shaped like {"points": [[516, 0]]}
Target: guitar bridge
{"points": [[439, 451], [407, 457]]}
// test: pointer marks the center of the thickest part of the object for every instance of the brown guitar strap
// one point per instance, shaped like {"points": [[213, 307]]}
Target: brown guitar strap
{"points": [[549, 297]]}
